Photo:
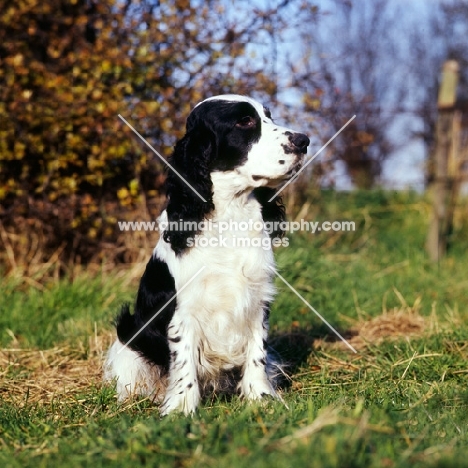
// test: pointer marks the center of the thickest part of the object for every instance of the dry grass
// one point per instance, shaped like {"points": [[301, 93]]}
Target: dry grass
{"points": [[40, 376], [59, 373], [34, 250], [398, 323], [402, 322]]}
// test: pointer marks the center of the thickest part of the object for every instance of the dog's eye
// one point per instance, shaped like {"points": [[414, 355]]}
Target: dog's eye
{"points": [[246, 122]]}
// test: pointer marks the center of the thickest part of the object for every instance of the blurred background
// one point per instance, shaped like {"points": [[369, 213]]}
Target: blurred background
{"points": [[70, 168]]}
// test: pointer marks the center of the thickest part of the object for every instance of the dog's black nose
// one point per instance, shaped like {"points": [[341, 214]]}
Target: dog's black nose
{"points": [[300, 141]]}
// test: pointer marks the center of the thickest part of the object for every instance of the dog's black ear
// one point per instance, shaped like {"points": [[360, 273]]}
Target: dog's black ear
{"points": [[191, 159], [273, 211]]}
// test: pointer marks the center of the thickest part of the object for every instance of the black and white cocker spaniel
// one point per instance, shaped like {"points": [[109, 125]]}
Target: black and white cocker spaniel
{"points": [[201, 313]]}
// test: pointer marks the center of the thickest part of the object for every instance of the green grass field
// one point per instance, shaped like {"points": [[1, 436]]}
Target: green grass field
{"points": [[401, 401]]}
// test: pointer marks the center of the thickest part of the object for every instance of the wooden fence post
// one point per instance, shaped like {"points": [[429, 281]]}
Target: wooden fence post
{"points": [[442, 185]]}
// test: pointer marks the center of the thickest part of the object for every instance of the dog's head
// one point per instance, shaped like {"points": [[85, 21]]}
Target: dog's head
{"points": [[233, 135], [247, 141]]}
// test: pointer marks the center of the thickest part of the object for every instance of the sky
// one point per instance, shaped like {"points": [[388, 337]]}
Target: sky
{"points": [[405, 167]]}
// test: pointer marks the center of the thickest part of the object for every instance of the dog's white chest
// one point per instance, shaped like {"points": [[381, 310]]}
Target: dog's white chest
{"points": [[224, 283]]}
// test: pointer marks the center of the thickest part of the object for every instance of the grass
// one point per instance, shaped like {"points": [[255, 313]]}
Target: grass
{"points": [[401, 401]]}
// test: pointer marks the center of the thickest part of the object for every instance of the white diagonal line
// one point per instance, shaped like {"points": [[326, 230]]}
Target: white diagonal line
{"points": [[312, 158], [160, 310], [313, 310], [160, 157]]}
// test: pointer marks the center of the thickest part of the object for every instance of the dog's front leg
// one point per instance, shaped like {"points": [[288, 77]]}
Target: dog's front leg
{"points": [[183, 393], [255, 383]]}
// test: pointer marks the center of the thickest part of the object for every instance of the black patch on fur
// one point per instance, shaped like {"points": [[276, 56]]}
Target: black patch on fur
{"points": [[216, 139], [273, 211], [266, 312], [157, 287], [266, 319]]}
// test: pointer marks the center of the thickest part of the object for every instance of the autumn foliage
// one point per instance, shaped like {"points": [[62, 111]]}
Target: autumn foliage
{"points": [[69, 166]]}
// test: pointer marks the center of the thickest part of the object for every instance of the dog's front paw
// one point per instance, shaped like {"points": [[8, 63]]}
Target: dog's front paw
{"points": [[184, 401], [255, 383], [258, 389]]}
